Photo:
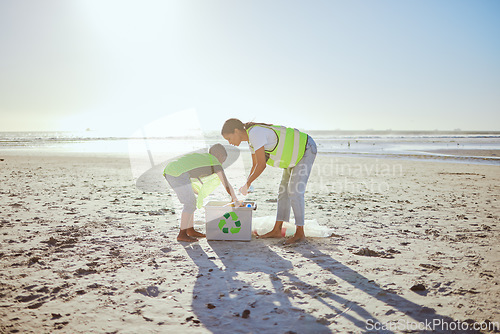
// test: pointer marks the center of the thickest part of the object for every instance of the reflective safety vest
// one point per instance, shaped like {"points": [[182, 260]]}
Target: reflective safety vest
{"points": [[290, 147], [203, 186], [190, 161]]}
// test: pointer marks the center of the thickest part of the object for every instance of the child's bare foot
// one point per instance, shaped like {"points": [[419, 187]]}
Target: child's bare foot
{"points": [[193, 233], [186, 238], [183, 236]]}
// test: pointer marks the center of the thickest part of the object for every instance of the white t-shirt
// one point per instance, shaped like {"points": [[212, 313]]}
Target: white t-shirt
{"points": [[259, 136]]}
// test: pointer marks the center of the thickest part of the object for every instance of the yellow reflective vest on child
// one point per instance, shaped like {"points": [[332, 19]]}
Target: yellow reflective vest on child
{"points": [[203, 186]]}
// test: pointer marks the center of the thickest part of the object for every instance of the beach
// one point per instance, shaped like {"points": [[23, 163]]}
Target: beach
{"points": [[84, 251]]}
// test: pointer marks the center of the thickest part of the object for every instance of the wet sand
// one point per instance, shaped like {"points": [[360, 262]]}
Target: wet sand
{"points": [[84, 251], [468, 152]]}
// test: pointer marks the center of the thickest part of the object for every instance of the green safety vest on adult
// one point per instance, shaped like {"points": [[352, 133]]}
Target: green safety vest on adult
{"points": [[290, 147], [207, 184]]}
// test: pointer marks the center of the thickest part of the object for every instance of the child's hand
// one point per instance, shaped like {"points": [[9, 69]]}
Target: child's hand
{"points": [[236, 202]]}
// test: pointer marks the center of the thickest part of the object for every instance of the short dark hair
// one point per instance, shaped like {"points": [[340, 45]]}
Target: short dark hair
{"points": [[218, 151]]}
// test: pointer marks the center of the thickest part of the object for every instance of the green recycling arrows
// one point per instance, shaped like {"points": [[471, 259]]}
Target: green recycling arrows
{"points": [[237, 223]]}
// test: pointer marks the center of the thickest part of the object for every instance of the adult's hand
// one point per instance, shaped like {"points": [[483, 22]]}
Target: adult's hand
{"points": [[244, 190]]}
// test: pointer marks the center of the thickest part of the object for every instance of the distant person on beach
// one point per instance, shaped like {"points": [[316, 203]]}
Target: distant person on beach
{"points": [[282, 147], [200, 173]]}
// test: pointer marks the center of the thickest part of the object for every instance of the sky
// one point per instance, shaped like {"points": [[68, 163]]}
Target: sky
{"points": [[116, 65]]}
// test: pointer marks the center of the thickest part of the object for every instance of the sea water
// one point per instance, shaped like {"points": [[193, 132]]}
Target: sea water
{"points": [[379, 144]]}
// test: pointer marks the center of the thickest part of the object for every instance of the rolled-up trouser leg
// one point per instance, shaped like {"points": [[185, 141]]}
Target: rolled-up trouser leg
{"points": [[283, 212], [182, 187], [298, 182]]}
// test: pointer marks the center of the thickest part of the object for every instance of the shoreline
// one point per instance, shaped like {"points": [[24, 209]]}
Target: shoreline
{"points": [[439, 156], [459, 156], [479, 153]]}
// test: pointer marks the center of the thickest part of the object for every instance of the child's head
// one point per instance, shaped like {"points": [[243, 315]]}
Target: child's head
{"points": [[219, 152]]}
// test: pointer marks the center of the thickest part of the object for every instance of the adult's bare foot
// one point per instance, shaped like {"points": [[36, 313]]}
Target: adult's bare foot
{"points": [[299, 236], [272, 234], [295, 239]]}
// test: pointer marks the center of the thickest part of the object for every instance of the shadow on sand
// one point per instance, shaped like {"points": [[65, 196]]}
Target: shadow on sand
{"points": [[223, 291], [417, 314]]}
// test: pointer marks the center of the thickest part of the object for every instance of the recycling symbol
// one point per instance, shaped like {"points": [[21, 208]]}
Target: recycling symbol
{"points": [[234, 218]]}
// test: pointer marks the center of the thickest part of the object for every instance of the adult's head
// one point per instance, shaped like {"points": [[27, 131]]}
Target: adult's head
{"points": [[219, 152], [234, 131]]}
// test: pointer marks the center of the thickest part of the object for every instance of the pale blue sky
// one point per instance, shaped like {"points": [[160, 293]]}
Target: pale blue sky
{"points": [[407, 65]]}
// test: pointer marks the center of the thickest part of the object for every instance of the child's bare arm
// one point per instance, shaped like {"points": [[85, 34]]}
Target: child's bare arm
{"points": [[227, 186]]}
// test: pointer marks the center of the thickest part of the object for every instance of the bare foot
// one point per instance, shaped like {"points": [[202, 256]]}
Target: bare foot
{"points": [[192, 233], [183, 236], [272, 234], [186, 238], [299, 236], [295, 239]]}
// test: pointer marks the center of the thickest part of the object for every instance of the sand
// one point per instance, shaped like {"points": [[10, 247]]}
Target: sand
{"points": [[468, 152], [84, 251]]}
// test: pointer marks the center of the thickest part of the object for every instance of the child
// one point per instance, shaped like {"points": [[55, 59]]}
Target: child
{"points": [[200, 173], [282, 147]]}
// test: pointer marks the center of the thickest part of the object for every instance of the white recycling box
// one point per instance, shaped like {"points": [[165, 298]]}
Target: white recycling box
{"points": [[225, 222]]}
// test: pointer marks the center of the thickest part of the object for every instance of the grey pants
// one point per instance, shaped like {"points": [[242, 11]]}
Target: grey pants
{"points": [[182, 187], [293, 186]]}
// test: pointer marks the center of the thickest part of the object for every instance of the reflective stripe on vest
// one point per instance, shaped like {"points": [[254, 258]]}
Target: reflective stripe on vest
{"points": [[290, 148]]}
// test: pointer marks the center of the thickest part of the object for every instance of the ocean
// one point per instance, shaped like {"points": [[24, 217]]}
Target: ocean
{"points": [[453, 146]]}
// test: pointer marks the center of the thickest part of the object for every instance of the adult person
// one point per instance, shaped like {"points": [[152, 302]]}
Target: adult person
{"points": [[281, 147]]}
